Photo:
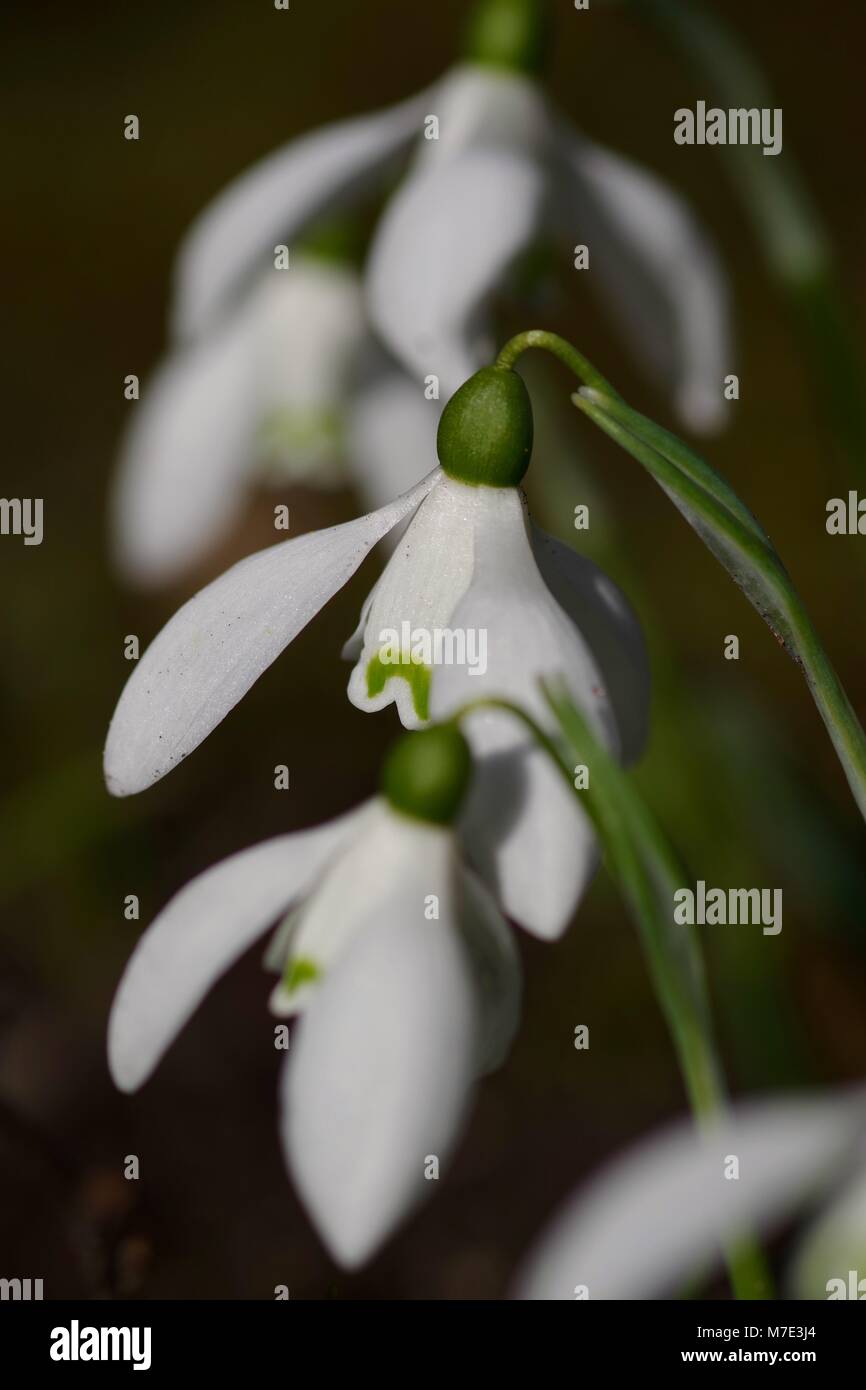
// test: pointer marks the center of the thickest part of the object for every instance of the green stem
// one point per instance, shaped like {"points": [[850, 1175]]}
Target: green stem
{"points": [[561, 348], [675, 964]]}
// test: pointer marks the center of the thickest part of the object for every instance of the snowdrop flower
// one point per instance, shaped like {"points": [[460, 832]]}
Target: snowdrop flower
{"points": [[405, 974], [492, 169], [659, 1215], [288, 387], [469, 571]]}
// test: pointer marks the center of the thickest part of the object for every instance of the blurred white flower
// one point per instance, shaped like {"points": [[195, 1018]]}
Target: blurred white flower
{"points": [[656, 1217], [402, 1008], [289, 387], [503, 173], [468, 562], [279, 366]]}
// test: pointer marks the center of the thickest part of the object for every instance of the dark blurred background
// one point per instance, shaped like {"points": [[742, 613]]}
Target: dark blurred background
{"points": [[739, 767]]}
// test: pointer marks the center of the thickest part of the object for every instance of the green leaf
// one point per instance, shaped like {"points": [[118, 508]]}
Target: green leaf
{"points": [[732, 534]]}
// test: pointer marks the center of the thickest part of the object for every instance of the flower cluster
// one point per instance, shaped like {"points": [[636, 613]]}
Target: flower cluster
{"points": [[391, 939]]}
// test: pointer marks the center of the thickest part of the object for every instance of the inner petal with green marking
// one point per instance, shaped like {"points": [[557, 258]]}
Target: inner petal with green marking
{"points": [[414, 672]]}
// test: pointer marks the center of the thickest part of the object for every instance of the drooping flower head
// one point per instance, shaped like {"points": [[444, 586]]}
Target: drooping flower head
{"points": [[405, 973], [506, 605], [491, 171]]}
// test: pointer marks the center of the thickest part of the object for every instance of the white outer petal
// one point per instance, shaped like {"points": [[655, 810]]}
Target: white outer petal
{"points": [[274, 200], [442, 248], [659, 270], [482, 107], [644, 1225], [379, 1074], [524, 829], [181, 474], [202, 931], [599, 608], [390, 433], [496, 971], [218, 644]]}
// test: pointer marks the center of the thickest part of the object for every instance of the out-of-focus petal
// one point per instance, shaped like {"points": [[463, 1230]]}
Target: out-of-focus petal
{"points": [[390, 431], [271, 202], [219, 643], [652, 1218], [442, 248], [832, 1246], [182, 468], [378, 1078], [601, 611], [496, 972], [480, 107], [658, 269], [312, 331], [202, 931], [387, 864]]}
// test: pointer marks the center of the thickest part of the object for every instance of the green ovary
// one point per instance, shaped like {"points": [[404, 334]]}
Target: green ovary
{"points": [[413, 672], [300, 971]]}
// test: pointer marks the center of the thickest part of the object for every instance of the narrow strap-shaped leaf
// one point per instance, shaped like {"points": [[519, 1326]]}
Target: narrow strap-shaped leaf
{"points": [[649, 872], [730, 532]]}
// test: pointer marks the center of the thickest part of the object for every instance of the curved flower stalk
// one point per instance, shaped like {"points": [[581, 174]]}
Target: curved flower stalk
{"points": [[498, 171], [472, 602], [404, 973], [657, 1217], [288, 387]]}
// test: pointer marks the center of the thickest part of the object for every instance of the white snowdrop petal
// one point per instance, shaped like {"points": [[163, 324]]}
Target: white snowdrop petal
{"points": [[443, 246], [219, 643], [659, 271], [390, 431], [413, 599], [496, 970], [202, 931], [387, 865], [312, 331], [479, 107], [524, 829], [181, 475], [601, 611], [273, 201], [379, 1075], [832, 1246], [653, 1217]]}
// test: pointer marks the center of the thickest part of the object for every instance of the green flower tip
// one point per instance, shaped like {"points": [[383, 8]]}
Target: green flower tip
{"points": [[426, 774], [512, 34], [485, 433]]}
